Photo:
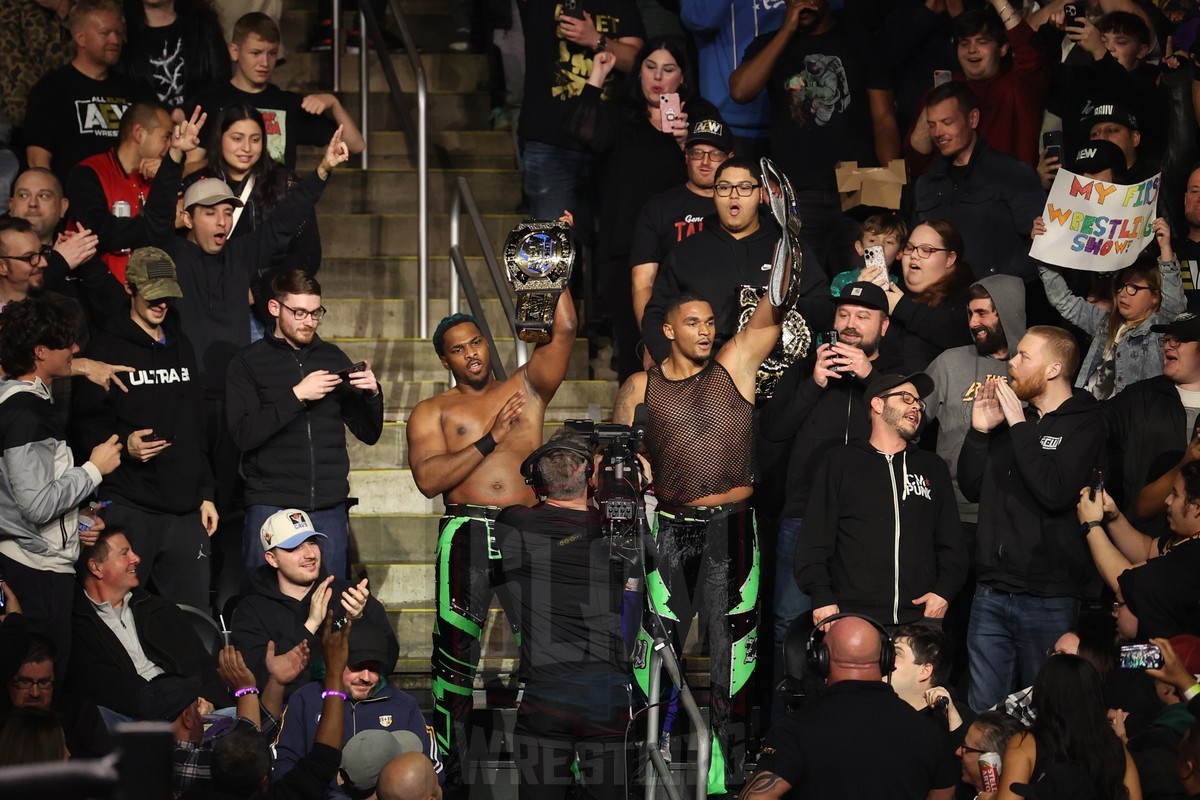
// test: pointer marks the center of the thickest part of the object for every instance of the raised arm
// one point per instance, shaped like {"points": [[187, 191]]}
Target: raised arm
{"points": [[744, 353], [548, 365], [752, 75]]}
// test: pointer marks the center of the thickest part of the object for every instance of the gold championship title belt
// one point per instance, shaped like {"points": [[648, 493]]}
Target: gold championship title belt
{"points": [[538, 255]]}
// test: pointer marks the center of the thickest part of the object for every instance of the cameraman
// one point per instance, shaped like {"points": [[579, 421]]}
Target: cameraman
{"points": [[560, 576]]}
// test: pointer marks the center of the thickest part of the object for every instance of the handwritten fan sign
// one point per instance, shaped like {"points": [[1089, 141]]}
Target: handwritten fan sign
{"points": [[1096, 226]]}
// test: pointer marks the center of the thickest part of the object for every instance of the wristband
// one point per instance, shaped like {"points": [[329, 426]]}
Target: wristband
{"points": [[1191, 692], [486, 445], [332, 693], [246, 691]]}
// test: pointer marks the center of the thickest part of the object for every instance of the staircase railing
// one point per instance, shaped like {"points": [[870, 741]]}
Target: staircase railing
{"points": [[371, 31], [459, 274]]}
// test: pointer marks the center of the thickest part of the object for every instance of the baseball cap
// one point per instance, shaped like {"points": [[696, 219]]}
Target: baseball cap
{"points": [[165, 697], [710, 129], [1185, 327], [1096, 156], [1110, 112], [209, 192], [288, 529], [153, 273], [863, 293], [883, 383], [369, 644], [368, 752]]}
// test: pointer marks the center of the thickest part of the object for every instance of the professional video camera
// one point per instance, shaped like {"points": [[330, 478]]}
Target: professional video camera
{"points": [[619, 482]]}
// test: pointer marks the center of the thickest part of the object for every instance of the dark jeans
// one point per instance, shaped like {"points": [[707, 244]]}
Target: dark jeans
{"points": [[46, 600], [578, 716], [556, 179], [1008, 639]]}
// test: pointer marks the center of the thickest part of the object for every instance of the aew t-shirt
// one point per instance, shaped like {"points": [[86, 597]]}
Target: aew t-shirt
{"points": [[819, 103], [556, 70], [666, 220], [288, 125], [74, 116]]}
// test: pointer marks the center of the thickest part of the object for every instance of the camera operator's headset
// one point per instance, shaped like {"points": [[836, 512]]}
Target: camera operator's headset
{"points": [[817, 654], [531, 468]]}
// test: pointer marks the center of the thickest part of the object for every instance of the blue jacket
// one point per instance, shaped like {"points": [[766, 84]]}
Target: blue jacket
{"points": [[388, 709], [722, 31]]}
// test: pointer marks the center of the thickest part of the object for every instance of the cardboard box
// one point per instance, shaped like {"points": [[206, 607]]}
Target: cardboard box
{"points": [[871, 186]]}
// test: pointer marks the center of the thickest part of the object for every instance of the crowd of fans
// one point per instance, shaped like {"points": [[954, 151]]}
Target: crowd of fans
{"points": [[961, 477]]}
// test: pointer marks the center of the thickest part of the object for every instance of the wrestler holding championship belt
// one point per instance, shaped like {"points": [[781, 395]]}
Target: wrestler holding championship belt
{"points": [[539, 255]]}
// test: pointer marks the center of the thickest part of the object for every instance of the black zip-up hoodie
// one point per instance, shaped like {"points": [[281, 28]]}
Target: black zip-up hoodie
{"points": [[881, 531], [714, 265], [819, 419], [294, 453], [165, 396], [265, 614], [1026, 480]]}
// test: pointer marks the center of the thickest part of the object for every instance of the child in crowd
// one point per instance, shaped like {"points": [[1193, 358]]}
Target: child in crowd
{"points": [[888, 231]]}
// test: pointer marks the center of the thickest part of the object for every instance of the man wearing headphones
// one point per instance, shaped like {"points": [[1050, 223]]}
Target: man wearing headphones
{"points": [[559, 574], [858, 738]]}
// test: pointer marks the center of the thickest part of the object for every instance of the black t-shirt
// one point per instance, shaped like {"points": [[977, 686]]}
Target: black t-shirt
{"points": [[821, 113], [666, 220], [859, 740], [558, 571], [556, 70], [288, 125], [74, 116], [163, 49], [1188, 253]]}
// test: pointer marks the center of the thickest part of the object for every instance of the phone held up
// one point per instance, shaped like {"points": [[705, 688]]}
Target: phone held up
{"points": [[668, 109], [1140, 656]]}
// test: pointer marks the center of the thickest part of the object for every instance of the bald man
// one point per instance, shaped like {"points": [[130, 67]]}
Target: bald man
{"points": [[408, 777], [820, 750]]}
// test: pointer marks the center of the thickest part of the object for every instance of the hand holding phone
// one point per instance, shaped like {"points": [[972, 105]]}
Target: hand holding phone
{"points": [[1052, 144], [344, 374], [668, 108], [572, 8], [873, 257], [1140, 656]]}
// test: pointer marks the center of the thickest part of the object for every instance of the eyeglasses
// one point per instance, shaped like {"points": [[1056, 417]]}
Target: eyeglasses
{"points": [[715, 156], [1130, 289], [744, 189], [926, 250], [1171, 343], [908, 397], [29, 683], [1055, 651], [1116, 606], [302, 314], [42, 255], [966, 749]]}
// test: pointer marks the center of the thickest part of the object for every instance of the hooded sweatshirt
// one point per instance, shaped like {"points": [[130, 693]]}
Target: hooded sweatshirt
{"points": [[40, 486], [957, 375], [722, 30], [1026, 479], [164, 395], [266, 614], [881, 530], [714, 265]]}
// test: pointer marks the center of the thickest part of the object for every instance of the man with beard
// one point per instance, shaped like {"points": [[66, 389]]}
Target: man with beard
{"points": [[291, 432], [467, 444], [818, 404], [676, 214], [700, 439], [1187, 237], [1025, 468], [882, 536]]}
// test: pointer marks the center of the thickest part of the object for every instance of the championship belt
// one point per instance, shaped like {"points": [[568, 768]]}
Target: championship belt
{"points": [[539, 255], [784, 286], [794, 342]]}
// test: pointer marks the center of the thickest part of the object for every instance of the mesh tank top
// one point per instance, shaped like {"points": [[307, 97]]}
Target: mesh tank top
{"points": [[700, 434]]}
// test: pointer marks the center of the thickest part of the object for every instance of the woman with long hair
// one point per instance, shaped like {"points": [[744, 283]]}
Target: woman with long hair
{"points": [[1071, 750], [928, 314], [639, 156], [32, 736], [237, 155], [1124, 349]]}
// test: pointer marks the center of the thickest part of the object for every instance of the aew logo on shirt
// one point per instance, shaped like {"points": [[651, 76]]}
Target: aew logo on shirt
{"points": [[100, 116], [150, 377], [918, 485], [1051, 442]]}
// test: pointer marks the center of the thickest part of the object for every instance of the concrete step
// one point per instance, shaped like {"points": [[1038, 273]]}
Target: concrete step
{"points": [[444, 72], [390, 491], [383, 538], [429, 21], [447, 110], [394, 191], [453, 143], [398, 318], [395, 235], [397, 276], [573, 399], [414, 359]]}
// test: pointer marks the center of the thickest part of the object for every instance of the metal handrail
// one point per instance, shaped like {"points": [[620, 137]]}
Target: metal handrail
{"points": [[371, 29], [463, 197]]}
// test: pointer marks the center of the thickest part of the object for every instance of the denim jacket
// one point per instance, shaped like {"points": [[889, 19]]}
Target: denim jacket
{"points": [[1139, 355]]}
